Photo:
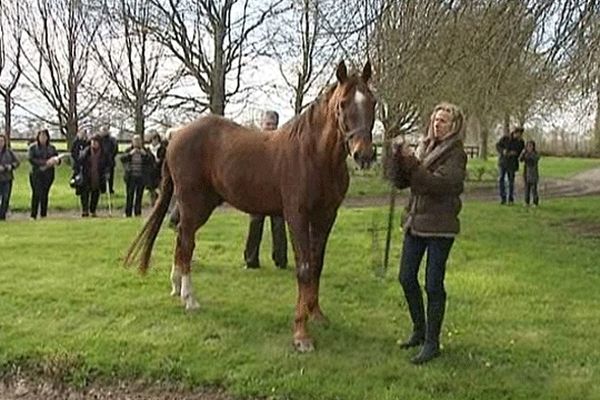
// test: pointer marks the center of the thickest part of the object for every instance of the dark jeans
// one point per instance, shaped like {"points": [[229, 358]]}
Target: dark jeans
{"points": [[507, 174], [135, 192], [255, 231], [40, 187], [89, 200], [531, 190], [438, 249], [5, 190]]}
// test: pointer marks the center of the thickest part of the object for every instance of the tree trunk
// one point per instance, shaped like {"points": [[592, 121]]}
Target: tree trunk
{"points": [[506, 126], [7, 117], [597, 122], [299, 98], [140, 125], [217, 89], [484, 133]]}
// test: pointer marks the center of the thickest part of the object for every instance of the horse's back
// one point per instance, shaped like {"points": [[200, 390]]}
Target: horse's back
{"points": [[237, 163]]}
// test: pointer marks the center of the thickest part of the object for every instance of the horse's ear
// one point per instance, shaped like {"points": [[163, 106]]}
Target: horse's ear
{"points": [[366, 72], [341, 72]]}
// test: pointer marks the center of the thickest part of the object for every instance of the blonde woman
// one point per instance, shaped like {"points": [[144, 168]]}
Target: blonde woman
{"points": [[435, 175]]}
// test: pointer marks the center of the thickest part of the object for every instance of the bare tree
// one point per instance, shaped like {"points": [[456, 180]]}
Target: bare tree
{"points": [[133, 63], [10, 59], [582, 58], [495, 58], [214, 42], [403, 55], [61, 33], [302, 46]]}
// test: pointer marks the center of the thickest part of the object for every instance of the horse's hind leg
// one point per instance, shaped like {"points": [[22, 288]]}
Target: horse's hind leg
{"points": [[195, 209], [320, 228]]}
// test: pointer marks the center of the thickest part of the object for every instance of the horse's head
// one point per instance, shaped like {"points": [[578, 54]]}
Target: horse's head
{"points": [[355, 108]]}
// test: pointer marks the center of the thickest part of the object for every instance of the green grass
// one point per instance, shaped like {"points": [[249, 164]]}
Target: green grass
{"points": [[22, 146], [362, 182], [62, 196], [550, 167], [522, 321]]}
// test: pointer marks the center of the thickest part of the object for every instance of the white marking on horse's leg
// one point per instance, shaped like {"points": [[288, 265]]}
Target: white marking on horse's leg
{"points": [[175, 281], [187, 295]]}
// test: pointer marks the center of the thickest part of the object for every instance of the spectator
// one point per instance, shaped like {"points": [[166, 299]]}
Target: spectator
{"points": [[8, 163], [110, 147], [270, 120], [436, 179], [509, 148], [158, 148], [95, 171], [80, 143], [137, 162], [43, 158], [530, 158]]}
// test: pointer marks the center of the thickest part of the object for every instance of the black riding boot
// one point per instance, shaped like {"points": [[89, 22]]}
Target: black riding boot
{"points": [[417, 314], [435, 316]]}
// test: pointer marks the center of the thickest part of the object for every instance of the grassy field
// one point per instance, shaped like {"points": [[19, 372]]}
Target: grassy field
{"points": [[62, 197], [362, 182], [550, 167], [522, 321]]}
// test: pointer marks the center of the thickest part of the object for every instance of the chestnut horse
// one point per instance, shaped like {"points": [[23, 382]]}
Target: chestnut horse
{"points": [[298, 171]]}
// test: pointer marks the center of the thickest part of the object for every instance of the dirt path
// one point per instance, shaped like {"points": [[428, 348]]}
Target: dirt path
{"points": [[24, 389], [586, 183]]}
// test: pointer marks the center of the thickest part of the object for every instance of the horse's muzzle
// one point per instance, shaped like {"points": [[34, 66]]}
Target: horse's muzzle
{"points": [[365, 157]]}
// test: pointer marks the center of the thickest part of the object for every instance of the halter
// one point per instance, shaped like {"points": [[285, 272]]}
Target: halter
{"points": [[343, 129]]}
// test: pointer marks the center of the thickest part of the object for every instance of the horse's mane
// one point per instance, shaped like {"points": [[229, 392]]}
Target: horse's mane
{"points": [[305, 120]]}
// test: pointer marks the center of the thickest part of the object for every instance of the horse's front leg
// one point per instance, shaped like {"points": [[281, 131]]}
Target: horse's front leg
{"points": [[305, 276], [320, 227]]}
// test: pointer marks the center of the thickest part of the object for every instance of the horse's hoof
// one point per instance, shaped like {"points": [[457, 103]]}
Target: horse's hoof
{"points": [[304, 345], [191, 304]]}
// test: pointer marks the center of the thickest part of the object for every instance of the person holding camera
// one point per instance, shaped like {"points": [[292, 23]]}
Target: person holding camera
{"points": [[8, 163], [137, 162], [94, 173], [43, 158]]}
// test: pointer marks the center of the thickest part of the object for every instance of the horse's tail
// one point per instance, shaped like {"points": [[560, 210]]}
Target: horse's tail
{"points": [[144, 241]]}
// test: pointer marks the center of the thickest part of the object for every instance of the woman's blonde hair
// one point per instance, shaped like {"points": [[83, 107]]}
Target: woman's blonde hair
{"points": [[458, 120]]}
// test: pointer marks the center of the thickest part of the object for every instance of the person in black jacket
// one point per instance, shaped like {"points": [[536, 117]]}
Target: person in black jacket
{"points": [[509, 149], [8, 163], [137, 161], [110, 147], [43, 158], [94, 169]]}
